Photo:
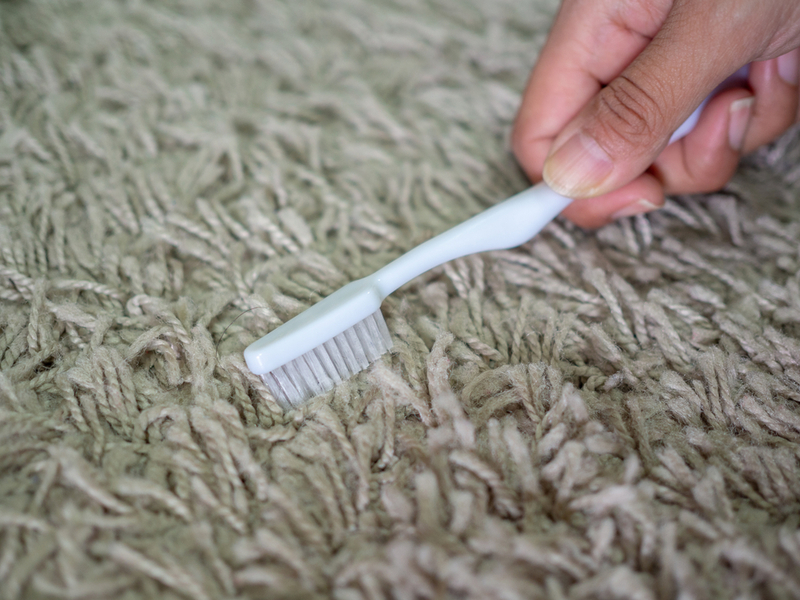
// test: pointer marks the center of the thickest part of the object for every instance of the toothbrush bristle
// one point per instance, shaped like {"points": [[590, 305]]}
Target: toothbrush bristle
{"points": [[341, 357]]}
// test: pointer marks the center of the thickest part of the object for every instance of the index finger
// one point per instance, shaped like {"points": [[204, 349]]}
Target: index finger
{"points": [[591, 43]]}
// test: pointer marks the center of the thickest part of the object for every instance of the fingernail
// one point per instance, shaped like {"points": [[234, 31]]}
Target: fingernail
{"points": [[788, 67], [739, 121], [578, 167], [635, 208]]}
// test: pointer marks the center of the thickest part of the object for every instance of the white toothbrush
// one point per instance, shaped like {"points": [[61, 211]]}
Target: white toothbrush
{"points": [[342, 334]]}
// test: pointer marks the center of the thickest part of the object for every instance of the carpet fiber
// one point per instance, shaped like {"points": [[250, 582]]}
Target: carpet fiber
{"points": [[611, 414]]}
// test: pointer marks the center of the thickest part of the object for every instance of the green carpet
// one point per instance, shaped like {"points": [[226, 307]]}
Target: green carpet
{"points": [[610, 414]]}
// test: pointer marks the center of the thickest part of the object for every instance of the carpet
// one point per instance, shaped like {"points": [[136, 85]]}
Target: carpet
{"points": [[610, 414]]}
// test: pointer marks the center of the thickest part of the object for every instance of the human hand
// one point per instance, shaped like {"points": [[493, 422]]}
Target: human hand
{"points": [[617, 77]]}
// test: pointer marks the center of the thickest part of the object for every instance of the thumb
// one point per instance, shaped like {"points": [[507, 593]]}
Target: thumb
{"points": [[622, 130]]}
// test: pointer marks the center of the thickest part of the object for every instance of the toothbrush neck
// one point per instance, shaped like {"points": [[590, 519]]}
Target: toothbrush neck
{"points": [[403, 269]]}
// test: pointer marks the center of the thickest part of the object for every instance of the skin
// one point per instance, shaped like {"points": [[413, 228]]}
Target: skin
{"points": [[617, 77]]}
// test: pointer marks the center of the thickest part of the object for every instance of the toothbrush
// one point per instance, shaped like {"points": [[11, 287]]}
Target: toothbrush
{"points": [[345, 332]]}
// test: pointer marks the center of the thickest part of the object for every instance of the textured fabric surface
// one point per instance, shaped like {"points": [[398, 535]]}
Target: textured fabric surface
{"points": [[611, 414]]}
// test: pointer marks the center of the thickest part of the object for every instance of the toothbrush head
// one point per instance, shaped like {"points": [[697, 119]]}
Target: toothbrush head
{"points": [[322, 346]]}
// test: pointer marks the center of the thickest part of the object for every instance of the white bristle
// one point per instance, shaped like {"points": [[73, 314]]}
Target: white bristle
{"points": [[318, 370]]}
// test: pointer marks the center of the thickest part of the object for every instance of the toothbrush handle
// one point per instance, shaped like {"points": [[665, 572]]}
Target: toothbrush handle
{"points": [[505, 225]]}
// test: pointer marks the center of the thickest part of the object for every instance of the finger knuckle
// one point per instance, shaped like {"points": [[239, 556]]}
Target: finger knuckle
{"points": [[710, 173], [518, 141], [631, 113], [713, 182], [783, 118]]}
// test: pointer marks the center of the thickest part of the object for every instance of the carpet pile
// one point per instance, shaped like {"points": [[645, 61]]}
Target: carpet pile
{"points": [[610, 414]]}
